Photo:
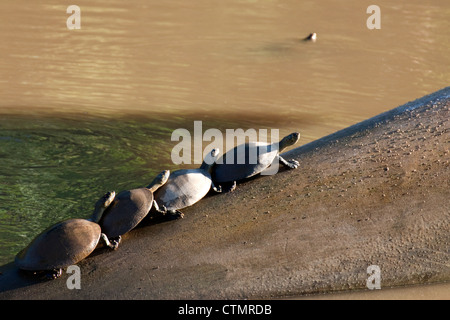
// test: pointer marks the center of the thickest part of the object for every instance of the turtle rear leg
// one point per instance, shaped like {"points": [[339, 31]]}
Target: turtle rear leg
{"points": [[217, 189], [172, 214], [175, 214], [227, 187], [112, 243], [293, 164], [161, 209]]}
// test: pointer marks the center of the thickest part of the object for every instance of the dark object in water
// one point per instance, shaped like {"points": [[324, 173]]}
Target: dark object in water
{"points": [[312, 37]]}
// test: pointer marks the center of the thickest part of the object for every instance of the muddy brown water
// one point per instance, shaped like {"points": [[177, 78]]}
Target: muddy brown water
{"points": [[84, 111]]}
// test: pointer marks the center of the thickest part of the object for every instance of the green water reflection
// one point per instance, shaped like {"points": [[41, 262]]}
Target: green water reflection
{"points": [[55, 168]]}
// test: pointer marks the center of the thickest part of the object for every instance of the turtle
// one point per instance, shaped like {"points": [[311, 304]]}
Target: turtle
{"points": [[258, 156], [65, 243], [129, 208], [187, 186]]}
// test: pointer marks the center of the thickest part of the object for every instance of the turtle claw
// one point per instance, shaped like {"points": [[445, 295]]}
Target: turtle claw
{"points": [[112, 243], [53, 274], [180, 215], [115, 242], [228, 187], [293, 164], [176, 214]]}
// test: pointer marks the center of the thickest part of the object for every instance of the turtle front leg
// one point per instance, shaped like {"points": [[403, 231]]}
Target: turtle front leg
{"points": [[111, 243], [293, 164]]}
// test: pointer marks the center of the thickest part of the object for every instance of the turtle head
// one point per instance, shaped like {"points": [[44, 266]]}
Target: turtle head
{"points": [[159, 180], [289, 140], [163, 176], [106, 200], [214, 153], [101, 205], [210, 159]]}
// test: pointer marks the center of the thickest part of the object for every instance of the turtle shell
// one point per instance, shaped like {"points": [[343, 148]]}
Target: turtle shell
{"points": [[184, 188], [60, 245], [249, 159], [126, 211]]}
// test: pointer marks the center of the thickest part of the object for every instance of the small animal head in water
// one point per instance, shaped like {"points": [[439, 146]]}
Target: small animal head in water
{"points": [[312, 37]]}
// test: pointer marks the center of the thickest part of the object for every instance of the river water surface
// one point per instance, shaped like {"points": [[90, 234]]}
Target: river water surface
{"points": [[91, 110]]}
